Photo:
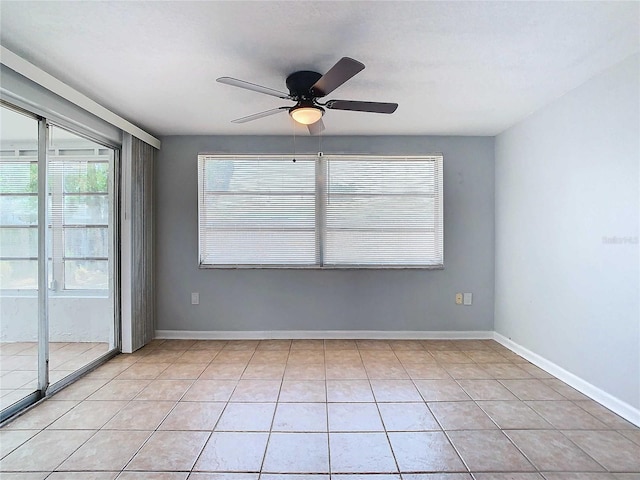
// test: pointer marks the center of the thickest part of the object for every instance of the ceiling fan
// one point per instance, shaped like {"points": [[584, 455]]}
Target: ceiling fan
{"points": [[305, 88]]}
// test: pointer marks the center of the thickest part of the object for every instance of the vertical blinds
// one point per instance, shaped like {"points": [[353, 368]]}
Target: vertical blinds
{"points": [[333, 211], [142, 242]]}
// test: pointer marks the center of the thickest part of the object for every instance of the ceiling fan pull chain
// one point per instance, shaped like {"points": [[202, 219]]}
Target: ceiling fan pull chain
{"points": [[293, 127], [328, 182]]}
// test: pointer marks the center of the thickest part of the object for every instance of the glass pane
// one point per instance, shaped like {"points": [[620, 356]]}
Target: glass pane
{"points": [[383, 211], [266, 211], [260, 248], [86, 177], [387, 177], [86, 210], [18, 177], [86, 274], [257, 211], [18, 242], [260, 175], [18, 208], [18, 274], [86, 242], [380, 248]]}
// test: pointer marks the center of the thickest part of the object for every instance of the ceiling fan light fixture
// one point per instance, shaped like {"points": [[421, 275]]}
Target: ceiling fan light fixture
{"points": [[306, 114]]}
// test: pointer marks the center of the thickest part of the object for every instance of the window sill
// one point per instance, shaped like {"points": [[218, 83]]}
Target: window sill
{"points": [[320, 267]]}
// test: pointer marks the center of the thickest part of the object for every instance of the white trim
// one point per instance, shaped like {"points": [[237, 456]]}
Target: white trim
{"points": [[322, 334], [35, 74], [614, 404]]}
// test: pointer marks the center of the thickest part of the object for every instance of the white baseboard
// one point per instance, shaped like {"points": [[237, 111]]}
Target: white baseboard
{"points": [[322, 334], [614, 404]]}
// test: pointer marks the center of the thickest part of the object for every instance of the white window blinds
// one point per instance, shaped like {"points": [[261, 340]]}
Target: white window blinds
{"points": [[324, 211], [383, 211], [257, 211]]}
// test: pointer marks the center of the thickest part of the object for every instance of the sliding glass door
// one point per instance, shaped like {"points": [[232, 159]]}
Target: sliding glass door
{"points": [[20, 355], [81, 225], [57, 201]]}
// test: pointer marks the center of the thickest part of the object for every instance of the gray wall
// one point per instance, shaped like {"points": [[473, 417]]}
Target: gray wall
{"points": [[566, 184], [260, 300]]}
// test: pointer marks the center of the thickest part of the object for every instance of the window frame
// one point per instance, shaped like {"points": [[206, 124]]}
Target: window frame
{"points": [[320, 210]]}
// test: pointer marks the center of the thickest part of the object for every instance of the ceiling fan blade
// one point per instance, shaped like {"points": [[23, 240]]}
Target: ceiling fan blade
{"points": [[316, 128], [234, 82], [336, 76], [373, 107], [256, 116]]}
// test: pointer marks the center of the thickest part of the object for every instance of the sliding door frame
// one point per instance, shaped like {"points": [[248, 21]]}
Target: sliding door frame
{"points": [[43, 258]]}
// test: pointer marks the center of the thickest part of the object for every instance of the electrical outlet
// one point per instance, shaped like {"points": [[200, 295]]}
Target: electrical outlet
{"points": [[195, 298], [458, 299]]}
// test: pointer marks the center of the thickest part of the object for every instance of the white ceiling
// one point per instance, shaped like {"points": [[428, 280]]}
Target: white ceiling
{"points": [[455, 68]]}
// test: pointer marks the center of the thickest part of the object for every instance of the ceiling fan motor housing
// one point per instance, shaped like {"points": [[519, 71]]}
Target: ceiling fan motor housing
{"points": [[300, 83]]}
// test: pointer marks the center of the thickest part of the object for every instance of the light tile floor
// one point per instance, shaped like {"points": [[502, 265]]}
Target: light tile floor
{"points": [[19, 365], [320, 410]]}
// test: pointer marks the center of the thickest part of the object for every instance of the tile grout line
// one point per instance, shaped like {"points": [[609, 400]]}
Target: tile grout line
{"points": [[326, 408], [275, 409], [528, 429], [223, 409], [386, 433], [583, 450], [159, 424], [455, 449], [475, 402], [153, 432], [88, 439]]}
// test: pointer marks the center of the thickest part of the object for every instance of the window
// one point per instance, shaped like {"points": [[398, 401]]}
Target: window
{"points": [[257, 211], [320, 211], [79, 214], [80, 198]]}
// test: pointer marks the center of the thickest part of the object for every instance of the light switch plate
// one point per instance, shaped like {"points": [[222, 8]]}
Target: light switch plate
{"points": [[195, 298], [468, 298]]}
